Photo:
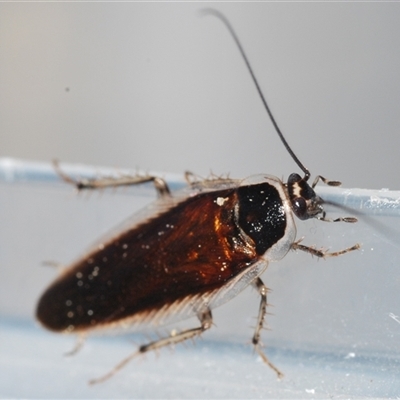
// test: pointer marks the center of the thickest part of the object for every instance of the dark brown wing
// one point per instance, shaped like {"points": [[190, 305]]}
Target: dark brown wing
{"points": [[191, 249]]}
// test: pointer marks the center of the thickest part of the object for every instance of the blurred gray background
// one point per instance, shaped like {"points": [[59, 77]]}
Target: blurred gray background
{"points": [[157, 87]]}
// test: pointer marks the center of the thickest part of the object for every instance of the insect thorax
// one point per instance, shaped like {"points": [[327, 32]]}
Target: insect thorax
{"points": [[265, 214]]}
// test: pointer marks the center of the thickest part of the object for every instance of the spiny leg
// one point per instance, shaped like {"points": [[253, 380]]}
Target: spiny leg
{"points": [[323, 253], [195, 180], [108, 182], [262, 290], [206, 322]]}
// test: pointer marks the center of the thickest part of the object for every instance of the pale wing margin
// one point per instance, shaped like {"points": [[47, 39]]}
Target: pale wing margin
{"points": [[188, 307]]}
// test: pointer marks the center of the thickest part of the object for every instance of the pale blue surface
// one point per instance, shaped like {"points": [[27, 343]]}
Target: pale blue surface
{"points": [[33, 366], [335, 328]]}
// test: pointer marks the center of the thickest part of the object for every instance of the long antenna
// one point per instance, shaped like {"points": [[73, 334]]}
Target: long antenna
{"points": [[215, 13]]}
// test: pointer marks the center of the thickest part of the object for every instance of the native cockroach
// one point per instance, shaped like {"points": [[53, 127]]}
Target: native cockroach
{"points": [[193, 251]]}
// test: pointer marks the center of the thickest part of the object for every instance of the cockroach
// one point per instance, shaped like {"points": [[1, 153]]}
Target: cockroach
{"points": [[192, 251]]}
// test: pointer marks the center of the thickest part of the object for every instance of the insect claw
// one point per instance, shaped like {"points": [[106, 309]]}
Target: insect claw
{"points": [[66, 178], [266, 361], [115, 369], [351, 220]]}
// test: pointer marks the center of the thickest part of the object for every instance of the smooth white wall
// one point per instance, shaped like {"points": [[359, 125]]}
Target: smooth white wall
{"points": [[154, 86]]}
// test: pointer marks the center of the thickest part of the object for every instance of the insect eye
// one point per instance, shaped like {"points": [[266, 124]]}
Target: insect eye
{"points": [[299, 206]]}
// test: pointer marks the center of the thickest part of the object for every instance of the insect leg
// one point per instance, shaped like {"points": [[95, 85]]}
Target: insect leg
{"points": [[262, 289], [107, 182], [192, 178], [206, 322], [322, 253], [326, 181], [78, 345], [350, 220]]}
